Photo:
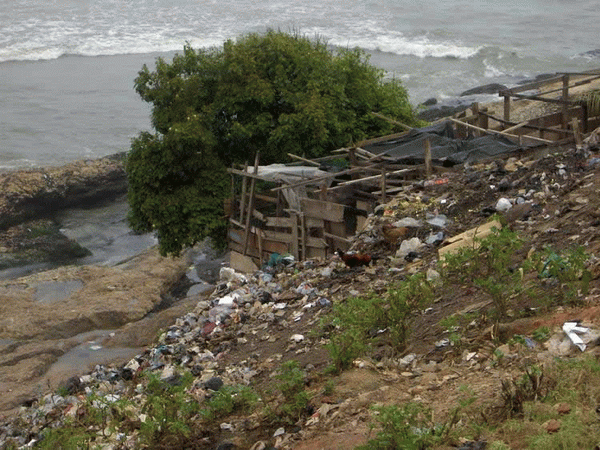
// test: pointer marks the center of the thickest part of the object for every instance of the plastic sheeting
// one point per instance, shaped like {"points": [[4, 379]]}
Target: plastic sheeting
{"points": [[445, 148], [290, 175]]}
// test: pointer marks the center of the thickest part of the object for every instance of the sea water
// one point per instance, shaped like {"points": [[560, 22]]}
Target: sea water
{"points": [[67, 67]]}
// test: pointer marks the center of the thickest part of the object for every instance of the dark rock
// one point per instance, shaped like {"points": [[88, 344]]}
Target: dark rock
{"points": [[492, 88], [226, 446], [430, 102], [441, 112], [265, 297], [214, 384], [504, 185], [127, 374], [473, 445], [29, 194], [592, 53]]}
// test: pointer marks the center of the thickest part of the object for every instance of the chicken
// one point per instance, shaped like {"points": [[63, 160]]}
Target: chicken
{"points": [[392, 234], [353, 260]]}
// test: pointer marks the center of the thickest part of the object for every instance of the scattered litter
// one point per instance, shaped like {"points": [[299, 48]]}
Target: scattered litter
{"points": [[503, 205], [571, 329], [437, 182], [439, 220], [408, 222]]}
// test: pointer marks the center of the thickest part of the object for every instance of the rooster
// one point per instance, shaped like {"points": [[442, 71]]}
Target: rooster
{"points": [[353, 260], [392, 234]]}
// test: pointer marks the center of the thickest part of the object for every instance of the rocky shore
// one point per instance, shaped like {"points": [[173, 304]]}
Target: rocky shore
{"points": [[62, 319]]}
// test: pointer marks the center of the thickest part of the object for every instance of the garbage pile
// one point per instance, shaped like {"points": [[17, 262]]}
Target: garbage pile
{"points": [[249, 323]]}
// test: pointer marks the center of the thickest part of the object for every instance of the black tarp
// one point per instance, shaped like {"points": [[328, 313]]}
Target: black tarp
{"points": [[445, 148]]}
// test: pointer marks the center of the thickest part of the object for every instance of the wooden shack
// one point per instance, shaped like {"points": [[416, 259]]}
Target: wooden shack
{"points": [[303, 210]]}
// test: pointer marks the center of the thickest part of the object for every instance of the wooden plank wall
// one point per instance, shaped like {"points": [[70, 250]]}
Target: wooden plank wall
{"points": [[316, 231]]}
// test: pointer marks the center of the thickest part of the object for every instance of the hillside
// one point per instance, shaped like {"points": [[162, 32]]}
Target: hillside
{"points": [[485, 358]]}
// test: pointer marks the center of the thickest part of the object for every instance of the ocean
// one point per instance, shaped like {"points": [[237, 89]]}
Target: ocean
{"points": [[67, 66]]}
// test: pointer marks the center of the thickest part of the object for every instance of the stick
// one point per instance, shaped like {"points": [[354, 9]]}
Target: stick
{"points": [[546, 141]]}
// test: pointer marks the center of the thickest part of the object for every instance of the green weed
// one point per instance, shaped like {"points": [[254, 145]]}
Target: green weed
{"points": [[291, 382], [569, 269], [230, 399], [360, 321]]}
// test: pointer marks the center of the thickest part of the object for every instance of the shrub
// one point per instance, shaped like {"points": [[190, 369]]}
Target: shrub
{"points": [[359, 321], [291, 385]]}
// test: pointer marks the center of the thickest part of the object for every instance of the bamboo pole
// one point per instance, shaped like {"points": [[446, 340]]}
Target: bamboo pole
{"points": [[374, 177], [565, 98], [318, 180]]}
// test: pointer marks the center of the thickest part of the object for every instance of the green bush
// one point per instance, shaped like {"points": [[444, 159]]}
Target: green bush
{"points": [[407, 427], [359, 321], [291, 382], [229, 399], [490, 264], [169, 410], [569, 268]]}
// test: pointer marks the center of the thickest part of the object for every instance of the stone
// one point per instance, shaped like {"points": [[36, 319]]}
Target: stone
{"points": [[552, 426], [563, 408]]}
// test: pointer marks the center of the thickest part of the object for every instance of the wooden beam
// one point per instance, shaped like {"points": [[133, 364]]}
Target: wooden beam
{"points": [[546, 141], [317, 180], [390, 120], [374, 177], [300, 158], [243, 197]]}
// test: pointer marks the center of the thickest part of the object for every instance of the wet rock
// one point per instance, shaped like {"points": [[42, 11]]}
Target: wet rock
{"points": [[28, 194], [492, 88]]}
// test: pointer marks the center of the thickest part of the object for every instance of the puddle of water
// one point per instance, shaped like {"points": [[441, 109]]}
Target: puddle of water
{"points": [[55, 291], [90, 352], [105, 232]]}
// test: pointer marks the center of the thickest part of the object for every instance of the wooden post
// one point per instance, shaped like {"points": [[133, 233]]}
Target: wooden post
{"points": [[577, 132], [565, 104], [475, 110], [294, 243], [507, 107], [352, 157], [250, 204], [323, 191], [383, 186], [243, 196], [303, 235], [427, 151]]}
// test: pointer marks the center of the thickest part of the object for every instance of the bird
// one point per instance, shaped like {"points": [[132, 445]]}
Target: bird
{"points": [[392, 234], [353, 260]]}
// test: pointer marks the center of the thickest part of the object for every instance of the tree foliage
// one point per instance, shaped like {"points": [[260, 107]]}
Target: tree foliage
{"points": [[273, 93]]}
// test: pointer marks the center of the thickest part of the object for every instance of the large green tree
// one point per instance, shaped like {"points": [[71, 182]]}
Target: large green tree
{"points": [[275, 93]]}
